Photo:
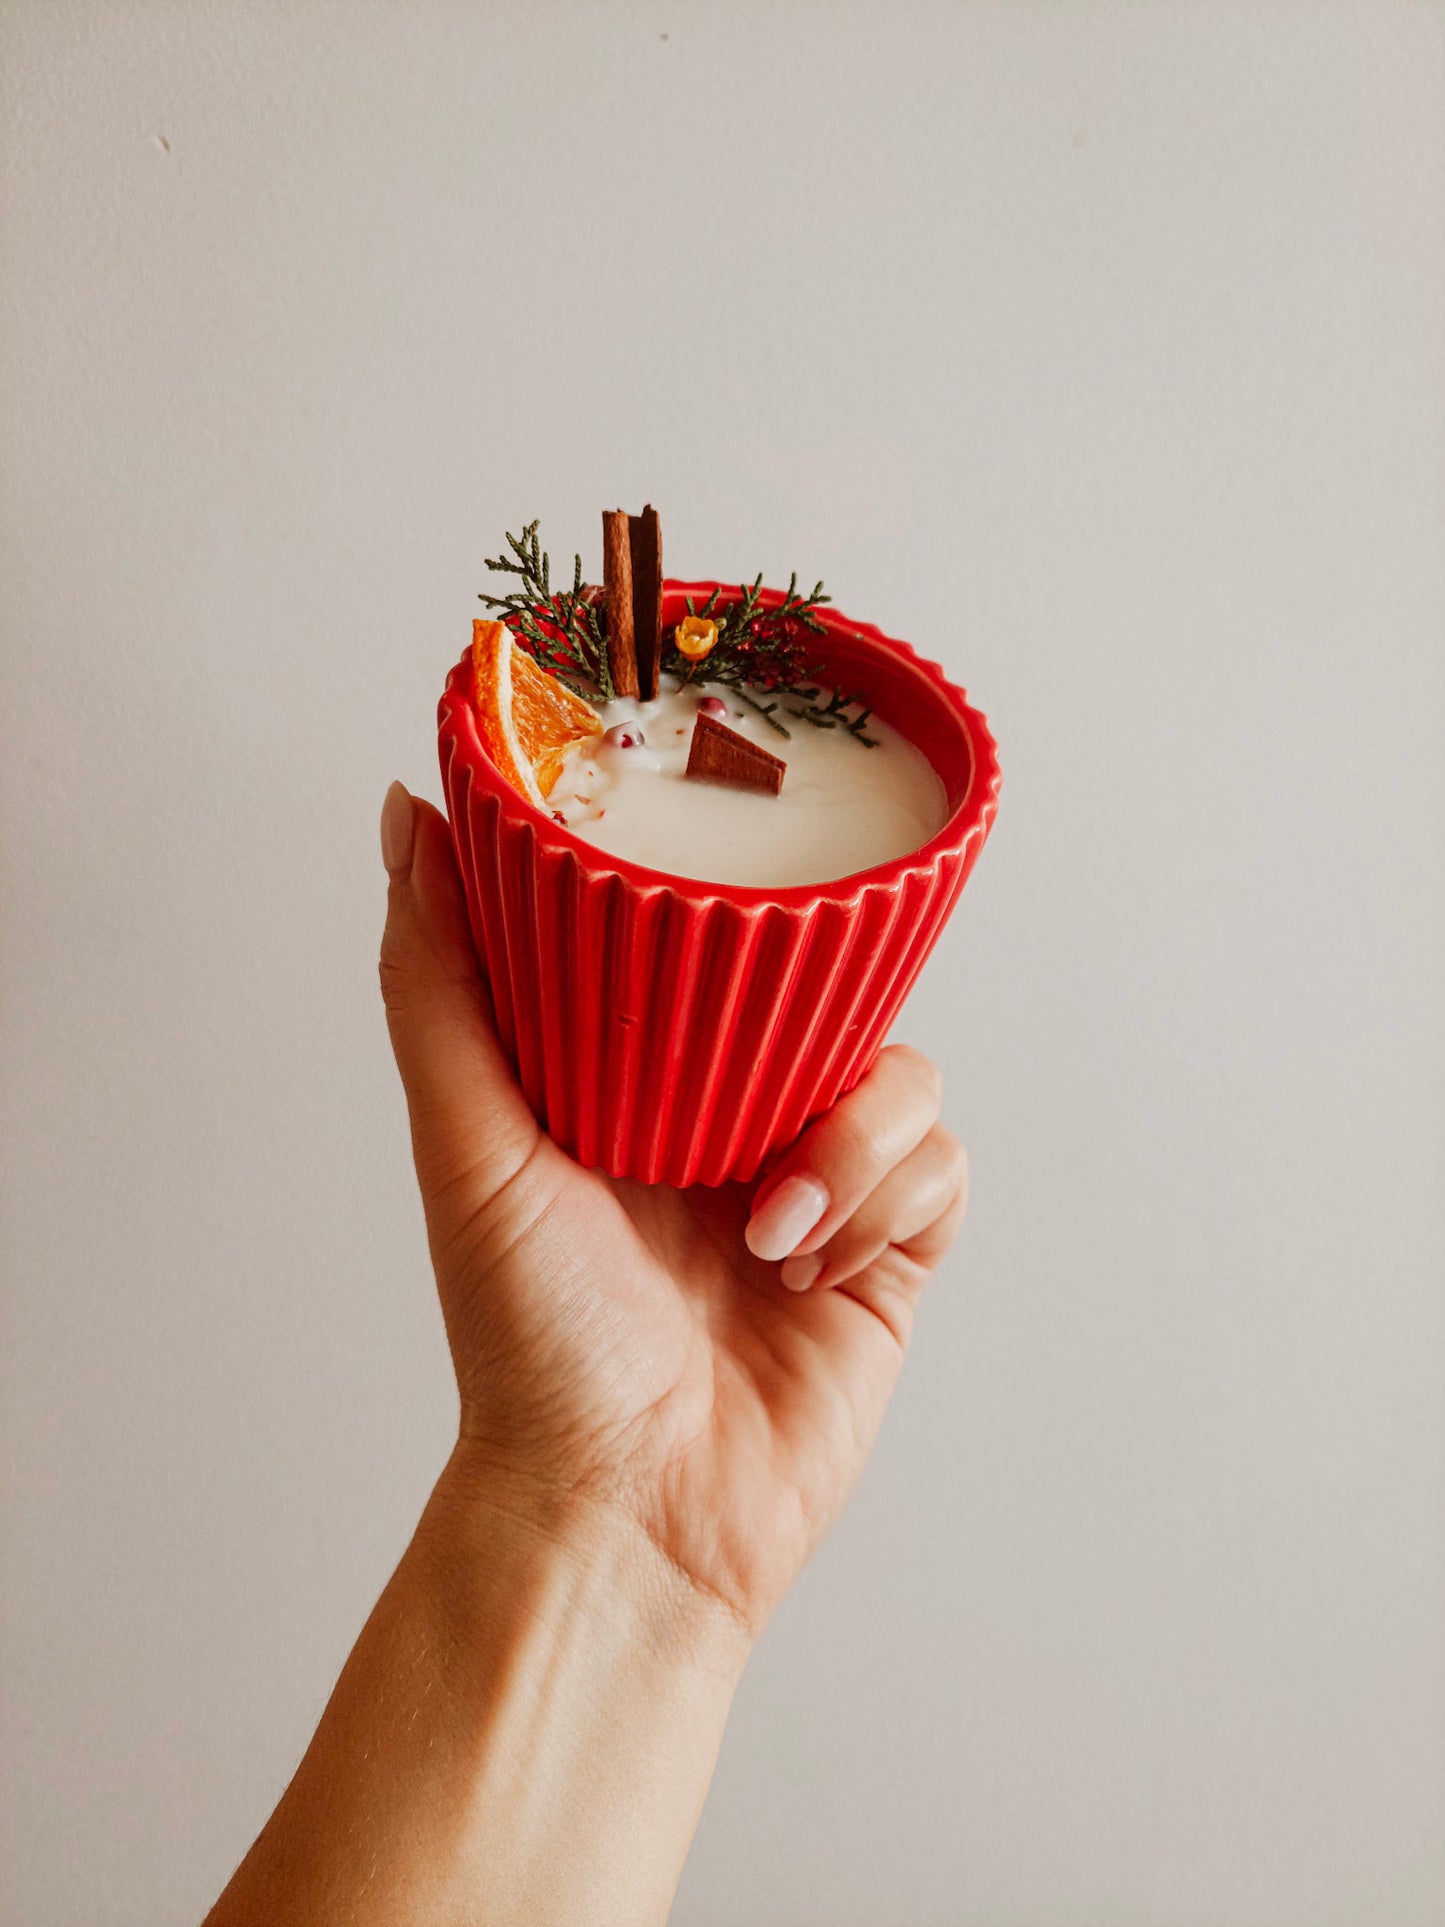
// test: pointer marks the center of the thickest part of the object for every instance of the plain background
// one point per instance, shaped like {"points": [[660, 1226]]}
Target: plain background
{"points": [[1100, 350]]}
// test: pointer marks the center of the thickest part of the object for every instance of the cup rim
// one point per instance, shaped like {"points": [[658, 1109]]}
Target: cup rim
{"points": [[970, 820]]}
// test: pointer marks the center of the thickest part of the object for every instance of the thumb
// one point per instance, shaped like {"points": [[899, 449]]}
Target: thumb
{"points": [[471, 1130]]}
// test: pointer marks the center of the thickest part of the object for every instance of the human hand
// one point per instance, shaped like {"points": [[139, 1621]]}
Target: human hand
{"points": [[639, 1352], [666, 1396]]}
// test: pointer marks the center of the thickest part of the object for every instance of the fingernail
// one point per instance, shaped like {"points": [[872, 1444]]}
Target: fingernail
{"points": [[398, 831], [787, 1216], [798, 1273]]}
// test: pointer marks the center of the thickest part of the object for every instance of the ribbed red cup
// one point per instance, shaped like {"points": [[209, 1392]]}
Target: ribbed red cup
{"points": [[680, 1032]]}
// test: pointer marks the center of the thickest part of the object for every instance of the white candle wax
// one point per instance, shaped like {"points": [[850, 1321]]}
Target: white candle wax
{"points": [[843, 807]]}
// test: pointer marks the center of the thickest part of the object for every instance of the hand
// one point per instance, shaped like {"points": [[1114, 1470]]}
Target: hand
{"points": [[665, 1399], [638, 1350]]}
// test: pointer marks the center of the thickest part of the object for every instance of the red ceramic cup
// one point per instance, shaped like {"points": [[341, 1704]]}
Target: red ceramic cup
{"points": [[682, 1032]]}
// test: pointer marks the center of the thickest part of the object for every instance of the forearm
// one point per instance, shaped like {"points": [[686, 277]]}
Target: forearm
{"points": [[524, 1732]]}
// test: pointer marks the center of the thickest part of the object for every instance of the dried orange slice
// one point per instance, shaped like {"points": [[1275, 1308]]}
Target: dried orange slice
{"points": [[526, 719]]}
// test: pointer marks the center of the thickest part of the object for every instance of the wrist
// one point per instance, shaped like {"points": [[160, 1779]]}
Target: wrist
{"points": [[585, 1683], [505, 1546], [523, 1734]]}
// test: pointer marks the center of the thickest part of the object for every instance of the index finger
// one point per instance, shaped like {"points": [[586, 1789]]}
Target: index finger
{"points": [[844, 1155]]}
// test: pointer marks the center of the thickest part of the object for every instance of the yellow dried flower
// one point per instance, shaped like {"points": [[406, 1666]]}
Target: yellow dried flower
{"points": [[696, 637]]}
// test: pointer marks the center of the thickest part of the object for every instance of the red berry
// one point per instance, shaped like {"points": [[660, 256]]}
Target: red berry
{"points": [[715, 707], [625, 736]]}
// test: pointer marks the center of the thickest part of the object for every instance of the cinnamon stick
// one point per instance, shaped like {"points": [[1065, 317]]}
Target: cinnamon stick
{"points": [[618, 590], [720, 755], [645, 543]]}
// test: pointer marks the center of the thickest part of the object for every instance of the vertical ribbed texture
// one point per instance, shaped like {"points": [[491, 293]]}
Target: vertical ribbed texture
{"points": [[681, 1032]]}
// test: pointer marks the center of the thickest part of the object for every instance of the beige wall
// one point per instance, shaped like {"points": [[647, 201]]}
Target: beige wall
{"points": [[1098, 348]]}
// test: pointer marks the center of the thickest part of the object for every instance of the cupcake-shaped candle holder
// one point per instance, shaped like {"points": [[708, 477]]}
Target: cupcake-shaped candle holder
{"points": [[682, 1031]]}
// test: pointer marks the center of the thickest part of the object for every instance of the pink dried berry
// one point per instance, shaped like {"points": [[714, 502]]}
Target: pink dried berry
{"points": [[624, 736], [715, 707]]}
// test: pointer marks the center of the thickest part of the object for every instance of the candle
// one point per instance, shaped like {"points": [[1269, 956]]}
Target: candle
{"points": [[843, 806]]}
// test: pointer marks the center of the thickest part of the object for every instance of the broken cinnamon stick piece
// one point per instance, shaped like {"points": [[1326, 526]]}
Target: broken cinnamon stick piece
{"points": [[617, 588], [645, 534], [720, 755]]}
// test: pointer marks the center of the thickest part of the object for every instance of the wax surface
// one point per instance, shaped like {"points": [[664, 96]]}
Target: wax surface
{"points": [[843, 807]]}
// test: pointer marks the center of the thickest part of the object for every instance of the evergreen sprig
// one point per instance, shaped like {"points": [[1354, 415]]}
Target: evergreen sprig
{"points": [[565, 629], [762, 648], [839, 712]]}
